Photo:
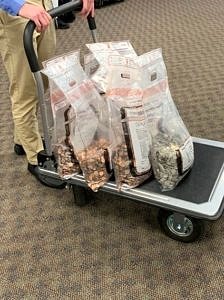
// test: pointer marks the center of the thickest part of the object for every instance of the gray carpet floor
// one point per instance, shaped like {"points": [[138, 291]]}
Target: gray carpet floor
{"points": [[113, 249]]}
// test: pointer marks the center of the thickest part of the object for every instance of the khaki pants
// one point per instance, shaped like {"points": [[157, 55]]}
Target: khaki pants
{"points": [[22, 86]]}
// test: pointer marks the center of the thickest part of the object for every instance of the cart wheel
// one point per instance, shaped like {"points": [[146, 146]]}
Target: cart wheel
{"points": [[81, 195], [188, 230], [52, 182]]}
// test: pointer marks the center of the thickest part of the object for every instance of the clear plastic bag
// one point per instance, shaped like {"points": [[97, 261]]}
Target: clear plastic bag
{"points": [[63, 72], [172, 152], [96, 63], [89, 134], [131, 146]]}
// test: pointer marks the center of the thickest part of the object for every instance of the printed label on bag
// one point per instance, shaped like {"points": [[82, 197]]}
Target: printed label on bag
{"points": [[137, 139], [187, 154]]}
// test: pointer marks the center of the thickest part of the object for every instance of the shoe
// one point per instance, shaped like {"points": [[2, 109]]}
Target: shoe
{"points": [[18, 149], [34, 170], [53, 183], [61, 25]]}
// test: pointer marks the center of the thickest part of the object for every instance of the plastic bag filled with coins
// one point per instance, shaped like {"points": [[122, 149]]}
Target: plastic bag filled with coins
{"points": [[63, 73], [90, 135], [96, 62], [67, 163], [130, 154], [172, 152]]}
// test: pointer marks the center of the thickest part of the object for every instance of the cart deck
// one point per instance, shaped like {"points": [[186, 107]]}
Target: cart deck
{"points": [[200, 194]]}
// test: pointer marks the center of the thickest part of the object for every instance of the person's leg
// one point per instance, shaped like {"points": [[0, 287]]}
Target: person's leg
{"points": [[22, 88], [46, 44]]}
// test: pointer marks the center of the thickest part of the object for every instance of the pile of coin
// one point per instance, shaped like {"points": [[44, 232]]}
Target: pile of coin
{"points": [[67, 162], [122, 168], [166, 161], [93, 163]]}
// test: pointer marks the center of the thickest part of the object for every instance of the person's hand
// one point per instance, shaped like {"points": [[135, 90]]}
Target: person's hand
{"points": [[37, 14], [87, 8]]}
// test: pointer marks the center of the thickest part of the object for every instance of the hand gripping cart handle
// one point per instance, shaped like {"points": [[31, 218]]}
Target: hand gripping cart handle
{"points": [[199, 196]]}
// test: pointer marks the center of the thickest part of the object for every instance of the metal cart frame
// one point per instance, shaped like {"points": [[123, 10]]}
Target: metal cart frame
{"points": [[199, 196]]}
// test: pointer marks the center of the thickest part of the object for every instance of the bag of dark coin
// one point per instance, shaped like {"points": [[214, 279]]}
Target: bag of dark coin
{"points": [[89, 134], [63, 72]]}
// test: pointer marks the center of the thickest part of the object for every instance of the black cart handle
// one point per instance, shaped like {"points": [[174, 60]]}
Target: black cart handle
{"points": [[75, 5]]}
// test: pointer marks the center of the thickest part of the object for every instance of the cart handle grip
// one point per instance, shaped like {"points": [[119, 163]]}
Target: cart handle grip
{"points": [[30, 27]]}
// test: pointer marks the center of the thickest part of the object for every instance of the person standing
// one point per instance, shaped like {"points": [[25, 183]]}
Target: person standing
{"points": [[22, 86]]}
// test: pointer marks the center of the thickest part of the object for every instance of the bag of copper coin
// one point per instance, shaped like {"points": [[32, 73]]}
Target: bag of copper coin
{"points": [[63, 72], [89, 134], [130, 152], [96, 62], [172, 152]]}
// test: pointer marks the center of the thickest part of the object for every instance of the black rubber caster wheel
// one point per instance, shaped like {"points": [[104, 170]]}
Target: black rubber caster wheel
{"points": [[180, 227], [82, 196], [51, 182], [46, 162]]}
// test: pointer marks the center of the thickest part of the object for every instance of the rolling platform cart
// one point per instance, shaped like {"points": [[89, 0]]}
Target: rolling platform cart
{"points": [[181, 211]]}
